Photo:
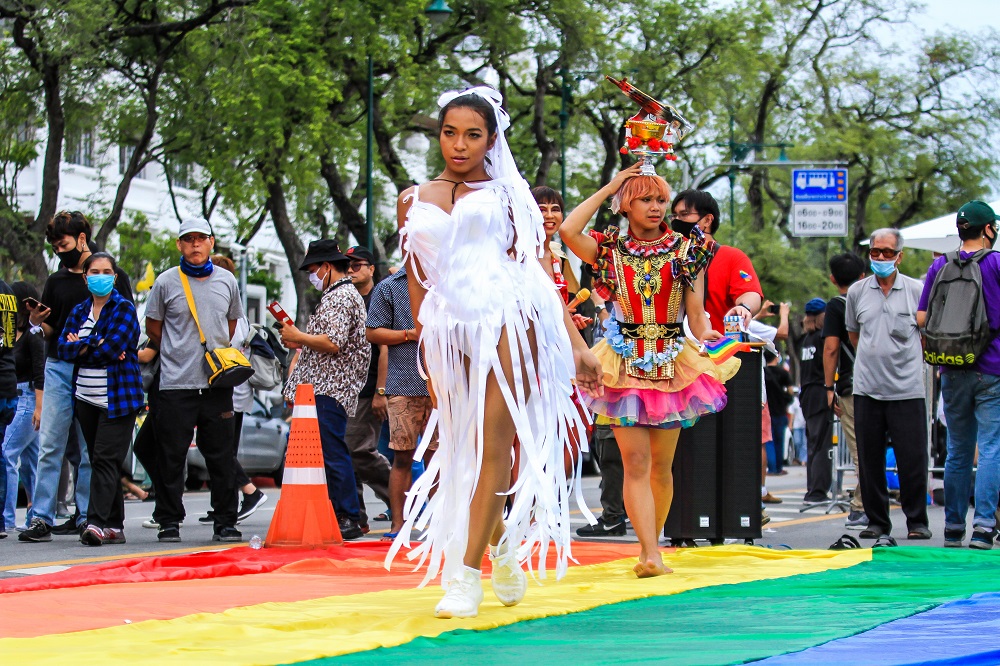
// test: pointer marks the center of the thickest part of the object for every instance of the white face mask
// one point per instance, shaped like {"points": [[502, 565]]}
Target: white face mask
{"points": [[316, 280]]}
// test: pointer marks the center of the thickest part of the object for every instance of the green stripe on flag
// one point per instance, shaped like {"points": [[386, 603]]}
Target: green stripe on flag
{"points": [[721, 624]]}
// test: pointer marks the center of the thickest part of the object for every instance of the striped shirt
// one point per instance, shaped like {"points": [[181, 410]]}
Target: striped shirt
{"points": [[91, 383], [116, 332]]}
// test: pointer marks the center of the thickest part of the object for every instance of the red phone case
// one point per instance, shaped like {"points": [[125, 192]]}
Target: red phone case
{"points": [[279, 313]]}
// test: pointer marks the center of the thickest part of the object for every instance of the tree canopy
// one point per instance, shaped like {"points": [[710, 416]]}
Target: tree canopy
{"points": [[261, 106]]}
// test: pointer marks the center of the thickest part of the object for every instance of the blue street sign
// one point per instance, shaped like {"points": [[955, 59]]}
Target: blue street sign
{"points": [[819, 186]]}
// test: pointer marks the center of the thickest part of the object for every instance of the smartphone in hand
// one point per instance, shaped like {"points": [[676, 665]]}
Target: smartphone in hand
{"points": [[279, 313], [35, 304]]}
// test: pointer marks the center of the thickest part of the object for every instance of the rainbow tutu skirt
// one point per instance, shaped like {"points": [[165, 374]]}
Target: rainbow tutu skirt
{"points": [[697, 388]]}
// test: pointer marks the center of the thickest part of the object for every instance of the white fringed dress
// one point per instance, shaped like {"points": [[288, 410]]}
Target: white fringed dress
{"points": [[482, 275]]}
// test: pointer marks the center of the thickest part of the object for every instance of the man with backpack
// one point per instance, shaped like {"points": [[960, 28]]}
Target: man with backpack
{"points": [[838, 368], [960, 312], [881, 320]]}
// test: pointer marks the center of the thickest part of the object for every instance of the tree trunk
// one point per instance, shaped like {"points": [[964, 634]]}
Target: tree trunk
{"points": [[136, 163], [292, 244], [34, 263], [755, 197], [547, 148]]}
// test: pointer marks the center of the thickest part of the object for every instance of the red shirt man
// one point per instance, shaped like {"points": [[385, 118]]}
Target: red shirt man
{"points": [[733, 287]]}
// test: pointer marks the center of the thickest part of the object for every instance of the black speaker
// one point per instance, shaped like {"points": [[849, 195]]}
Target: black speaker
{"points": [[694, 513], [717, 466], [739, 489]]}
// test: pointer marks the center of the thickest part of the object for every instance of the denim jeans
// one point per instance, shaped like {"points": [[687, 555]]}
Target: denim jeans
{"points": [[776, 450], [972, 410], [21, 434], [57, 419], [799, 439], [8, 407], [337, 458]]}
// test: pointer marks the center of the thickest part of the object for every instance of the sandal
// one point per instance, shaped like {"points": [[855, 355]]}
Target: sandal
{"points": [[885, 541], [919, 532], [389, 537], [845, 542], [383, 517]]}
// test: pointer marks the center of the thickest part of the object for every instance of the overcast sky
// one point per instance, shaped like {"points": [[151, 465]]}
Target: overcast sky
{"points": [[962, 14]]}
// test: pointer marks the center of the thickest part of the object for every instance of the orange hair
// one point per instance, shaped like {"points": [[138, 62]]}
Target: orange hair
{"points": [[636, 188]]}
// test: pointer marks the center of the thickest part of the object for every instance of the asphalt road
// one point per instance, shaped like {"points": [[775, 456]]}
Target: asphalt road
{"points": [[788, 527]]}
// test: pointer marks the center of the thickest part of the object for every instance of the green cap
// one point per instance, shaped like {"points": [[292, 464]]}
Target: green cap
{"points": [[976, 214]]}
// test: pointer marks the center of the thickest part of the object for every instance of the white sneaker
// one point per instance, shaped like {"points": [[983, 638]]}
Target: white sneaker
{"points": [[153, 525], [508, 578], [463, 596]]}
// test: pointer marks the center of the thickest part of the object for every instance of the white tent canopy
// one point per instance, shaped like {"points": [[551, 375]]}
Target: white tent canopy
{"points": [[937, 235]]}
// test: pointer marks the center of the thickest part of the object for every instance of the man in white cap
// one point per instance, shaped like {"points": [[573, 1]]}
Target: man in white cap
{"points": [[186, 400]]}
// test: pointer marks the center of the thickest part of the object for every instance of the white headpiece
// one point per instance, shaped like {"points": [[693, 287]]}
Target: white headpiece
{"points": [[500, 166]]}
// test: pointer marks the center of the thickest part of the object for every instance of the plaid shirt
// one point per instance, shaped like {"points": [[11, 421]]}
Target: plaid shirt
{"points": [[116, 331]]}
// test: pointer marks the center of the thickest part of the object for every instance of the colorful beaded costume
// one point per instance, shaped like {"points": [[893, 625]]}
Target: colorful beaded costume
{"points": [[653, 376]]}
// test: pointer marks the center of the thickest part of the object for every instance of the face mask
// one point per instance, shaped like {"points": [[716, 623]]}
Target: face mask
{"points": [[883, 269], [100, 285], [70, 258], [317, 281], [683, 228]]}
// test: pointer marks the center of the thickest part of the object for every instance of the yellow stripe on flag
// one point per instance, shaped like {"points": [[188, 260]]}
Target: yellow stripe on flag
{"points": [[272, 633]]}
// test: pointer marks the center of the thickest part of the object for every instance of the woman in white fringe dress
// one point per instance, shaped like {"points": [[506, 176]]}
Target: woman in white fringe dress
{"points": [[500, 353]]}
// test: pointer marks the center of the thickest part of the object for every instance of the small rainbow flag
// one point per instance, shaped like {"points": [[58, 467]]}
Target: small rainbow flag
{"points": [[722, 350]]}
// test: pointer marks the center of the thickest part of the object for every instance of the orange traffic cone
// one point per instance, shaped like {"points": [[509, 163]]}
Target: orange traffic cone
{"points": [[304, 516]]}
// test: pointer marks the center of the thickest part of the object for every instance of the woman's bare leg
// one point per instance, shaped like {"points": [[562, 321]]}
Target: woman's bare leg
{"points": [[640, 503], [486, 513], [663, 445]]}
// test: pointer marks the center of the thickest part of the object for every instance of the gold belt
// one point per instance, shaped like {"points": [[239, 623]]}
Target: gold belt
{"points": [[651, 331]]}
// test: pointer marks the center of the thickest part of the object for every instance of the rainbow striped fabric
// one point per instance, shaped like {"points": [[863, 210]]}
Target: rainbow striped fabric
{"points": [[729, 604], [723, 349]]}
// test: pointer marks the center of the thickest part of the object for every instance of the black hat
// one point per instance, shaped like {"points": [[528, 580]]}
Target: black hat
{"points": [[362, 253], [320, 251]]}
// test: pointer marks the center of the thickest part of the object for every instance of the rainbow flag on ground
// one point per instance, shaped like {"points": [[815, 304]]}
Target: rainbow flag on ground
{"points": [[729, 604]]}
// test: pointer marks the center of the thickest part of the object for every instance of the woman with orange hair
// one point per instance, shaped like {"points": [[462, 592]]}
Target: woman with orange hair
{"points": [[656, 382]]}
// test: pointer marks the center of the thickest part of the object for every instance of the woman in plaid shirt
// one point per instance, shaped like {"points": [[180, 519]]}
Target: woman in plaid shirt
{"points": [[101, 337]]}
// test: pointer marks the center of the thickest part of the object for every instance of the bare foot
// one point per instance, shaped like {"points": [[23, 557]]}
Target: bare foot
{"points": [[650, 567]]}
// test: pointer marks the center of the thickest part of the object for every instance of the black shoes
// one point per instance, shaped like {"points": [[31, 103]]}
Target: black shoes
{"points": [[228, 534], [349, 529], [169, 534], [251, 503], [38, 531], [871, 532], [602, 529], [982, 538], [953, 538], [68, 528]]}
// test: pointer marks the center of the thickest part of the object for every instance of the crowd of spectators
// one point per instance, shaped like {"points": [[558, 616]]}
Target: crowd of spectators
{"points": [[71, 386]]}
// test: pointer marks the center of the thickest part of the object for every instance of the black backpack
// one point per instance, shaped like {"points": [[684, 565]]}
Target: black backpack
{"points": [[957, 329]]}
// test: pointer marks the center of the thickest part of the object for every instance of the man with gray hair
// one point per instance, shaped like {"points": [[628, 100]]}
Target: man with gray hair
{"points": [[881, 320]]}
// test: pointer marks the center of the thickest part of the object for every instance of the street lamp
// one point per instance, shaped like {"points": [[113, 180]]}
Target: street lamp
{"points": [[437, 12]]}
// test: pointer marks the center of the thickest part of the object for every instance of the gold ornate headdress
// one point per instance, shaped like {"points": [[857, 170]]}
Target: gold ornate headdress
{"points": [[654, 130]]}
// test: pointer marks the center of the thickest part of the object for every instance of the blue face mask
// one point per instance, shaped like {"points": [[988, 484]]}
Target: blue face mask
{"points": [[883, 269], [100, 285]]}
